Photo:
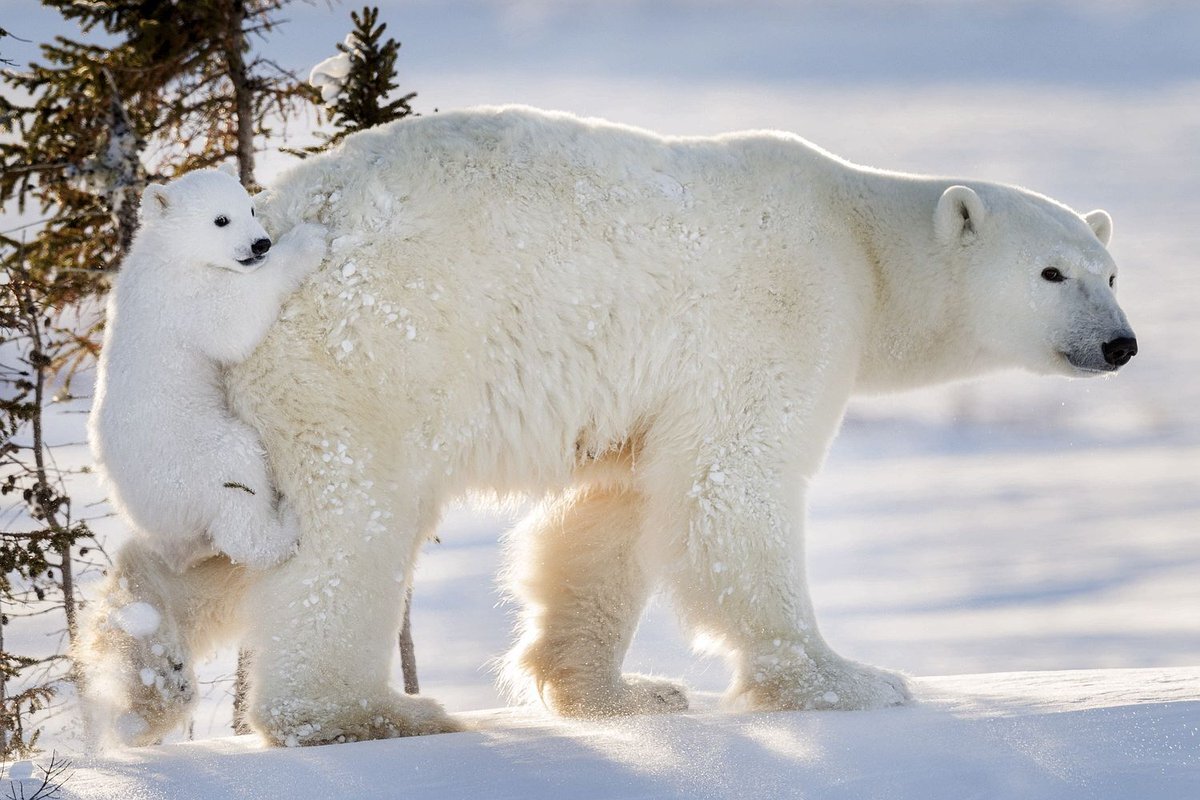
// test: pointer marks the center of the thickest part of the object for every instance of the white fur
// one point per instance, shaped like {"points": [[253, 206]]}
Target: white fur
{"points": [[140, 680], [191, 300], [662, 334]]}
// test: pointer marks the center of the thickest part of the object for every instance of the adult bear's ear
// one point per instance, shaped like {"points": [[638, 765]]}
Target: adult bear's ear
{"points": [[1101, 225], [230, 168], [958, 216], [155, 202]]}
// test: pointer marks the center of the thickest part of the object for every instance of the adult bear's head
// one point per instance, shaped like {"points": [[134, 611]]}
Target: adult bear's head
{"points": [[1039, 279]]}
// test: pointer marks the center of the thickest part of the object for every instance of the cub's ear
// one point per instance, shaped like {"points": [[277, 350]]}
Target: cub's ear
{"points": [[958, 216], [155, 202], [1101, 225], [230, 168]]}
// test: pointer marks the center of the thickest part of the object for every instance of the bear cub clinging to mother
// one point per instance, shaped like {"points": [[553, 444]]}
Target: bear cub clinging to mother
{"points": [[199, 289], [655, 336]]}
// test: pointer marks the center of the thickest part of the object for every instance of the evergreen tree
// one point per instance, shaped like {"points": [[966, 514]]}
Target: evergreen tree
{"points": [[363, 101], [355, 84], [209, 94], [37, 564], [69, 158]]}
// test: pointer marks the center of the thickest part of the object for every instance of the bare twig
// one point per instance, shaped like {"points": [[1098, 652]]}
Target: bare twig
{"points": [[33, 321], [54, 776], [408, 653]]}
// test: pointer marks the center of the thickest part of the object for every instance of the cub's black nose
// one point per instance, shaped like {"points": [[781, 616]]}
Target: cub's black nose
{"points": [[1119, 351], [263, 245]]}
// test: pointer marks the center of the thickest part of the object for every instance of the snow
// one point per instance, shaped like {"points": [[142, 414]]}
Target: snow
{"points": [[1058, 735], [20, 770], [138, 619], [129, 727], [1011, 525], [329, 76]]}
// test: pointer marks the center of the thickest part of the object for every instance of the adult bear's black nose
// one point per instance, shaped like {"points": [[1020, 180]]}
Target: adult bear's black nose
{"points": [[1119, 351], [261, 246]]}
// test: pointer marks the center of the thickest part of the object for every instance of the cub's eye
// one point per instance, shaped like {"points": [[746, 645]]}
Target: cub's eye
{"points": [[1053, 275], [252, 212], [1112, 280], [221, 221]]}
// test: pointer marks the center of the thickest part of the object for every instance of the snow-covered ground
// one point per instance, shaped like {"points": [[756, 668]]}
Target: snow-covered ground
{"points": [[1101, 735], [1011, 524]]}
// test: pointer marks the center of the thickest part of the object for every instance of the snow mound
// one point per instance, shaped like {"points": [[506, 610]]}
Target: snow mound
{"points": [[1101, 735], [329, 76], [138, 619]]}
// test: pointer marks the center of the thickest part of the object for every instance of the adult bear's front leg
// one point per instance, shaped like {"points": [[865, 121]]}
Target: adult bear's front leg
{"points": [[732, 518], [323, 626]]}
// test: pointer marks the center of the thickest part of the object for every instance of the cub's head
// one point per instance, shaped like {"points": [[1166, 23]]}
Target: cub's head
{"points": [[206, 216], [1040, 283]]}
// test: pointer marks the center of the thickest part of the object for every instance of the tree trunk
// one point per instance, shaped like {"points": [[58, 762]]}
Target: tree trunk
{"points": [[243, 101], [4, 723], [37, 358], [243, 92], [122, 160], [408, 655], [240, 725], [67, 568]]}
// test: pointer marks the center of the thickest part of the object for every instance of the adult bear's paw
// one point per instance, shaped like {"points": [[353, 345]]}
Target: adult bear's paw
{"points": [[138, 676], [297, 723], [633, 694], [830, 682]]}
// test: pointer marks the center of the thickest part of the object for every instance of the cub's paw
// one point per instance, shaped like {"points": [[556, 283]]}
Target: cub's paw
{"points": [[294, 724], [266, 545], [262, 554], [307, 243], [633, 694], [831, 683]]}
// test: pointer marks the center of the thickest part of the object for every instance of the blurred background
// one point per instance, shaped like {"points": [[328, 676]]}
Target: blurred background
{"points": [[1012, 523]]}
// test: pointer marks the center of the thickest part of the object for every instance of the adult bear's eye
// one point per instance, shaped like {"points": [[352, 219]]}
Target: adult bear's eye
{"points": [[221, 221], [1053, 275], [1112, 281]]}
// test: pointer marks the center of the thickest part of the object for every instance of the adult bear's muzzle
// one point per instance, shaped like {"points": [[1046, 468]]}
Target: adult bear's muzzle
{"points": [[1118, 352]]}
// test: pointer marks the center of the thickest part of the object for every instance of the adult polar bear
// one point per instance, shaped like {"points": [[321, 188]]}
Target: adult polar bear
{"points": [[662, 335]]}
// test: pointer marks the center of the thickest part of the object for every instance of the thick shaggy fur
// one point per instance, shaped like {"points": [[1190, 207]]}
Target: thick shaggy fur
{"points": [[140, 680], [660, 336], [192, 298]]}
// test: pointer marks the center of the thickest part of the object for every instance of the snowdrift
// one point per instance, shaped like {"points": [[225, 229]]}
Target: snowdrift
{"points": [[1128, 734]]}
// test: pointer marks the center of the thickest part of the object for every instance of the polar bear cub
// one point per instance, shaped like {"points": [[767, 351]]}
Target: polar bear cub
{"points": [[197, 292]]}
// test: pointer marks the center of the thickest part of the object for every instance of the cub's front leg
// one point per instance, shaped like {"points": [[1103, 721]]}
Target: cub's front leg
{"points": [[236, 310]]}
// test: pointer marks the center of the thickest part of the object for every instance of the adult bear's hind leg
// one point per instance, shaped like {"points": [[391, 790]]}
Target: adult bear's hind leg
{"points": [[141, 636], [575, 569]]}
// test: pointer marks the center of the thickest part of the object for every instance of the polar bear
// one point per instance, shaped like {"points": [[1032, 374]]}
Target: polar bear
{"points": [[195, 295], [657, 336]]}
